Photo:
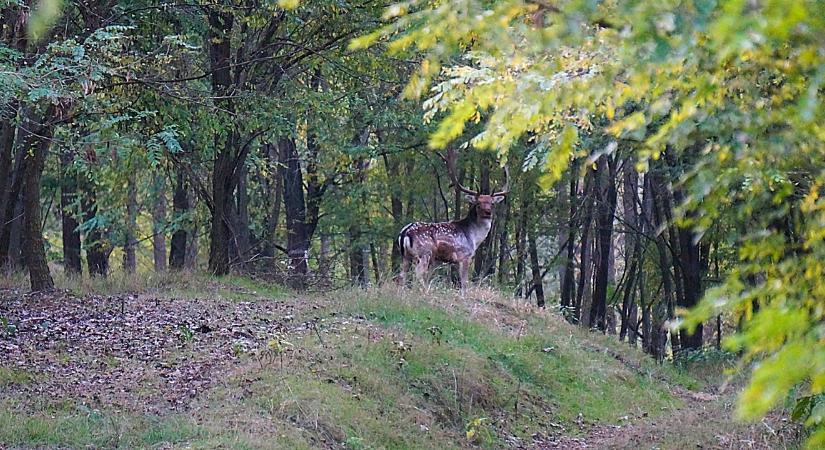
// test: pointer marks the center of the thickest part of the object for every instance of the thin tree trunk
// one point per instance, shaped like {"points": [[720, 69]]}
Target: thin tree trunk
{"points": [[193, 235], [692, 264], [159, 224], [8, 176], [585, 262], [647, 341], [180, 213], [97, 247], [358, 273], [480, 258], [521, 239], [538, 285], [661, 308], [391, 165], [68, 213], [502, 245], [13, 211], [16, 261], [129, 258], [568, 283], [274, 190], [632, 244], [376, 266], [241, 238], [295, 206], [606, 189], [458, 199]]}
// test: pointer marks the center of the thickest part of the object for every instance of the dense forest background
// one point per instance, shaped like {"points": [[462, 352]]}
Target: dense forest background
{"points": [[659, 152]]}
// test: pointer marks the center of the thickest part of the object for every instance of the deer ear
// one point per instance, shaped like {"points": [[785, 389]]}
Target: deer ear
{"points": [[498, 198], [471, 198]]}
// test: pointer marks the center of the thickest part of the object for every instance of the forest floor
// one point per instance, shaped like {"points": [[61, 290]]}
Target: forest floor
{"points": [[196, 362]]}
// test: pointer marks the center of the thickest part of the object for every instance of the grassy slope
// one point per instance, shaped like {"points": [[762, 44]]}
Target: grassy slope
{"points": [[382, 369]]}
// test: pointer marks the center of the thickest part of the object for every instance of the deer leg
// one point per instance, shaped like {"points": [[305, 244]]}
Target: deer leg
{"points": [[422, 269], [405, 267], [463, 275]]}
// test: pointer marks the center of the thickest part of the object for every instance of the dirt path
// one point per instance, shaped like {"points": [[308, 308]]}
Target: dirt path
{"points": [[703, 421]]}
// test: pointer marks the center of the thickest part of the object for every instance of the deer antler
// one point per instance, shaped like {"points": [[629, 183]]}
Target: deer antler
{"points": [[506, 189], [449, 160]]}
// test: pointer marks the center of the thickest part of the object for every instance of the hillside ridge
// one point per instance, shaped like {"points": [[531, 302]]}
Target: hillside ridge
{"points": [[238, 363]]}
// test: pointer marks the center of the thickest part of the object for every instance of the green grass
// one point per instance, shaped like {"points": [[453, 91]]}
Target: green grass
{"points": [[10, 376], [417, 375], [391, 370], [182, 284], [80, 427], [574, 378]]}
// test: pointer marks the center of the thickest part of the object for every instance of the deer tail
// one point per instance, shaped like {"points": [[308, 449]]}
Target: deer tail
{"points": [[404, 241]]}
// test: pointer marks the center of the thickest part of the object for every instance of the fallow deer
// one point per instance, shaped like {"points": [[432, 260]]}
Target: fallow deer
{"points": [[423, 243]]}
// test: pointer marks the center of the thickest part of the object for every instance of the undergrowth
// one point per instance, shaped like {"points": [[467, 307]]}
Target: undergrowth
{"points": [[378, 368]]}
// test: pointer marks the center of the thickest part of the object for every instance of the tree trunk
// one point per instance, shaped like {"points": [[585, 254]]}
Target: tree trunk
{"points": [[68, 213], [538, 286], [521, 240], [159, 224], [129, 259], [479, 266], [606, 190], [194, 235], [180, 211], [34, 252], [502, 244], [661, 307], [220, 48], [295, 206], [585, 262], [458, 200], [396, 208], [358, 273], [274, 190], [376, 266], [692, 266], [632, 251], [324, 261], [97, 252], [12, 213], [15, 252], [241, 238], [568, 283], [8, 177]]}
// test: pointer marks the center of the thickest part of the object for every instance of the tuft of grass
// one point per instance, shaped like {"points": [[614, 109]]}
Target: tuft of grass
{"points": [[710, 366], [11, 376], [259, 288]]}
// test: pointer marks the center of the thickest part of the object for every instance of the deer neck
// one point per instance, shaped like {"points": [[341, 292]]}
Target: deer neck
{"points": [[476, 227]]}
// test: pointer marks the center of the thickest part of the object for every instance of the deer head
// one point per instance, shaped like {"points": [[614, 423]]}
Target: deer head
{"points": [[483, 203]]}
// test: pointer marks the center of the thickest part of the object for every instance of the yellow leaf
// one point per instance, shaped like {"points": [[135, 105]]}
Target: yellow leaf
{"points": [[289, 4]]}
